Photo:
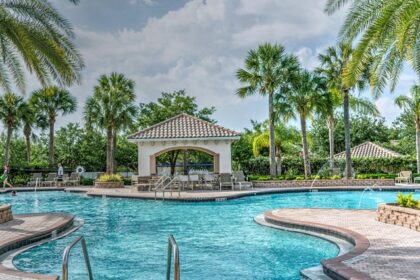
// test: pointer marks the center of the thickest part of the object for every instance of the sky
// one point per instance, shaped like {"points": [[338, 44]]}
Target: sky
{"points": [[197, 45]]}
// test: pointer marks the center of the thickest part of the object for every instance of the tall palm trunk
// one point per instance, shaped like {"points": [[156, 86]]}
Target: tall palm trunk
{"points": [[346, 109], [418, 143], [331, 124], [271, 135], [306, 162], [114, 152], [8, 141], [279, 159], [109, 150], [27, 132], [51, 143]]}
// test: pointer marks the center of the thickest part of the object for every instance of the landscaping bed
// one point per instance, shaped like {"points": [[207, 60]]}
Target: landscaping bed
{"points": [[397, 215], [324, 183]]}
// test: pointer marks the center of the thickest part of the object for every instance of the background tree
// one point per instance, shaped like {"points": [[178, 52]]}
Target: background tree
{"points": [[49, 103], [111, 108], [31, 120], [333, 63], [169, 105], [12, 108], [304, 96], [268, 69], [34, 33], [387, 31], [411, 105]]}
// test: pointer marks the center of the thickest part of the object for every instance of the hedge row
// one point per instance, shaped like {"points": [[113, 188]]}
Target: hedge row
{"points": [[294, 166]]}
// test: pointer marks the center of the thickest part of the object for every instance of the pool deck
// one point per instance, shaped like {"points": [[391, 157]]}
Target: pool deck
{"points": [[380, 251], [24, 230], [201, 196]]}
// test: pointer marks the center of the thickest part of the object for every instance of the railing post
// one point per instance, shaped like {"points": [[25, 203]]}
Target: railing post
{"points": [[173, 251], [66, 254]]}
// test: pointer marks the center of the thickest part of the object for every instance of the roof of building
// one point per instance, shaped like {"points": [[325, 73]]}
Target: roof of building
{"points": [[184, 126], [369, 150]]}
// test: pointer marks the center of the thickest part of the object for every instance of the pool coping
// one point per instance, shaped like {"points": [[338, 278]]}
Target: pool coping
{"points": [[245, 193], [334, 267], [25, 242]]}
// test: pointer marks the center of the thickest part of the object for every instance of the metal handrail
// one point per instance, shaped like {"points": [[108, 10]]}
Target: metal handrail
{"points": [[165, 187], [65, 265], [173, 251]]}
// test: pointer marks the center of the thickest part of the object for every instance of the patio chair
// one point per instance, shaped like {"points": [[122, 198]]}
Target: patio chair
{"points": [[74, 179], [50, 181], [35, 179], [209, 181], [225, 180], [194, 180], [184, 181], [240, 180], [404, 176]]}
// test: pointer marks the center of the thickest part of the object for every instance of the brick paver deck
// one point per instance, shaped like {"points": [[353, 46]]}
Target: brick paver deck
{"points": [[27, 229], [382, 251]]}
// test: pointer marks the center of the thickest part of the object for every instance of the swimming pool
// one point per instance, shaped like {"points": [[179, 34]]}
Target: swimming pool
{"points": [[127, 238]]}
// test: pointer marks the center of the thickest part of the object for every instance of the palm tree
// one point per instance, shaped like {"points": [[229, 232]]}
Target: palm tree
{"points": [[35, 34], [306, 91], [268, 70], [327, 107], [111, 108], [388, 31], [332, 70], [12, 108], [30, 120], [285, 137], [412, 106], [49, 103]]}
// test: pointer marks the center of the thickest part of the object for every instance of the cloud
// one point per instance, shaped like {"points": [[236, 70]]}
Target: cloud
{"points": [[143, 2], [199, 45]]}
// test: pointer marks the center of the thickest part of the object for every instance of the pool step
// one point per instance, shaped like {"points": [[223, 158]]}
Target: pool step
{"points": [[314, 273]]}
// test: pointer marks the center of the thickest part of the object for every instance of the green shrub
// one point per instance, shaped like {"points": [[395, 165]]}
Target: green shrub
{"points": [[127, 181], [84, 181], [335, 177], [407, 200], [19, 180], [110, 178]]}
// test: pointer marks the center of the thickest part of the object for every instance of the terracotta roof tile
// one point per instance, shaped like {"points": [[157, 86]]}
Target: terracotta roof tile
{"points": [[184, 126], [369, 150]]}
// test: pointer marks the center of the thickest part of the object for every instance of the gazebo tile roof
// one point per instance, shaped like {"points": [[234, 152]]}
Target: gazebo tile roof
{"points": [[184, 126], [369, 150]]}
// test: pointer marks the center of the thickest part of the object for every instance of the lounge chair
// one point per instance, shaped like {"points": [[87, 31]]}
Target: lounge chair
{"points": [[35, 180], [184, 181], [225, 180], [50, 181], [404, 176], [194, 180], [209, 181], [240, 180], [74, 179]]}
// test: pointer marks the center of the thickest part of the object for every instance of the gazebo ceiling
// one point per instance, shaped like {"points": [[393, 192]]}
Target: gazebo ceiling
{"points": [[184, 126], [369, 150]]}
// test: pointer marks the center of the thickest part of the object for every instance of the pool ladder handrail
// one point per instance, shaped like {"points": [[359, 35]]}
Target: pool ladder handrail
{"points": [[173, 252], [66, 254]]}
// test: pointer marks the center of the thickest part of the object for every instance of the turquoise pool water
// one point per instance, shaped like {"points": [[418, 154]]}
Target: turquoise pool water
{"points": [[127, 238]]}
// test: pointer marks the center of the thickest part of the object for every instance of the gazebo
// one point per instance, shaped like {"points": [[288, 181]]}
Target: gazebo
{"points": [[184, 132], [369, 150]]}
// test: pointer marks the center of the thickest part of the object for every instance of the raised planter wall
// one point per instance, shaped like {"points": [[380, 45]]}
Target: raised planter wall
{"points": [[400, 216], [324, 183], [5, 213], [109, 185]]}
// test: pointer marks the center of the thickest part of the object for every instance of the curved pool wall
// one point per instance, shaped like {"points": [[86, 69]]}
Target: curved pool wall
{"points": [[218, 240]]}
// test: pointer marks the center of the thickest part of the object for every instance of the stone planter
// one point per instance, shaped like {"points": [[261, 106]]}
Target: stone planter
{"points": [[109, 185], [400, 216], [5, 213]]}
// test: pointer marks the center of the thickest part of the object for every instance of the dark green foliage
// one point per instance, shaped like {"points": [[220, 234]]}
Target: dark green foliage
{"points": [[84, 181]]}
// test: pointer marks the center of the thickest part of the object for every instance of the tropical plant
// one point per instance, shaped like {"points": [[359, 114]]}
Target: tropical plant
{"points": [[411, 106], [110, 178], [388, 31], [12, 108], [31, 120], [111, 108], [49, 103], [268, 70], [285, 137], [34, 33], [332, 67], [306, 92]]}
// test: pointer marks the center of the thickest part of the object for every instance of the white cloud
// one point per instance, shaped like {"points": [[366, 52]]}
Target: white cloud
{"points": [[142, 2]]}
